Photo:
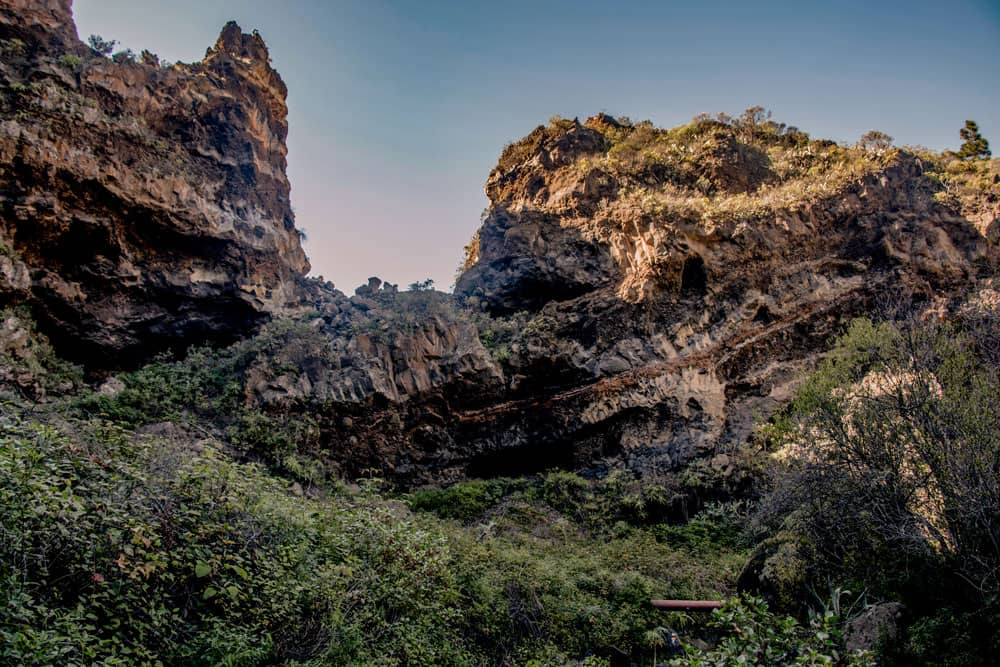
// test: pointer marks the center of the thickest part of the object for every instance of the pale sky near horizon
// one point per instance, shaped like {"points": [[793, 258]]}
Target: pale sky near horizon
{"points": [[398, 110]]}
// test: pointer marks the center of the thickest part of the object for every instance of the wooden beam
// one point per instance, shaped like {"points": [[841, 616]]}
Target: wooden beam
{"points": [[687, 605]]}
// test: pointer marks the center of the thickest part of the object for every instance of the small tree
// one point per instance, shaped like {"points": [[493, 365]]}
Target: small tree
{"points": [[873, 140], [124, 56], [974, 146], [751, 121], [105, 47], [422, 285]]}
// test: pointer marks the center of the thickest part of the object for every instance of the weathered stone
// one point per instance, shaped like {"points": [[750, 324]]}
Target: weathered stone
{"points": [[876, 624], [111, 387], [145, 208], [657, 338]]}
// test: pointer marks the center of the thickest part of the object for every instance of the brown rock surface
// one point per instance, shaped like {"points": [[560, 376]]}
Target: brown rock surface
{"points": [[672, 300], [633, 323], [876, 624], [143, 207]]}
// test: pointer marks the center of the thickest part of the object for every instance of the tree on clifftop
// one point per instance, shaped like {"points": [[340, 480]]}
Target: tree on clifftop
{"points": [[974, 146], [873, 140], [102, 46]]}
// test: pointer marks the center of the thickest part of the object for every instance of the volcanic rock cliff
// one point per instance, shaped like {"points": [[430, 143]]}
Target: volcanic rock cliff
{"points": [[644, 295], [636, 297], [144, 206], [681, 281]]}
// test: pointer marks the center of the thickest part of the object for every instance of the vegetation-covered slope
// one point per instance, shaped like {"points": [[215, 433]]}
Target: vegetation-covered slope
{"points": [[132, 540], [161, 521]]}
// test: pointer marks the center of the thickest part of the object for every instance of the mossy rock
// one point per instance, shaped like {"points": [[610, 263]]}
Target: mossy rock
{"points": [[778, 571]]}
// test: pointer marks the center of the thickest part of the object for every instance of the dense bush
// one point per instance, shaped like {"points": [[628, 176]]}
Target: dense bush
{"points": [[890, 479], [159, 549], [753, 635]]}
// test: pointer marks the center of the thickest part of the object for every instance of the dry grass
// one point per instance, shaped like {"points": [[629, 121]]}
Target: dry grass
{"points": [[697, 172]]}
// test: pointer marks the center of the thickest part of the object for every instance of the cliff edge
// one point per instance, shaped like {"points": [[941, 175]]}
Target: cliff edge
{"points": [[144, 207]]}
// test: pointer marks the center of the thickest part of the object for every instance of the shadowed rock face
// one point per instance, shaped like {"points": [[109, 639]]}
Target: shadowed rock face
{"points": [[659, 333], [143, 207]]}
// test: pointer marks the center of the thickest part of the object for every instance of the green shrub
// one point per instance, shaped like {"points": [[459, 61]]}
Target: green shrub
{"points": [[274, 438], [71, 61], [883, 476], [464, 501], [753, 635], [717, 526], [888, 401], [565, 491], [15, 46]]}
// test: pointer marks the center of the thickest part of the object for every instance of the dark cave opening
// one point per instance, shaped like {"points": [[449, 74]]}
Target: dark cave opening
{"points": [[694, 280], [522, 460]]}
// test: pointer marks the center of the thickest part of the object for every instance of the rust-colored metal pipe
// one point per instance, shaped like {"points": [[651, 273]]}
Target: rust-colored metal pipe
{"points": [[687, 605]]}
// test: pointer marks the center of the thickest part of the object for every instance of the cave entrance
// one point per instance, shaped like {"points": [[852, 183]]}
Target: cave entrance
{"points": [[522, 460], [694, 280]]}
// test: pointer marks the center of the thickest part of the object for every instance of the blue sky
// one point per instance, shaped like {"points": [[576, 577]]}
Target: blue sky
{"points": [[399, 109]]}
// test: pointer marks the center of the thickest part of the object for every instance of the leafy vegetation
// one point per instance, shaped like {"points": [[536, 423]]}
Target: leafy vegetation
{"points": [[753, 635], [101, 46], [721, 169], [973, 143], [969, 186], [167, 551], [873, 140], [896, 492], [71, 61]]}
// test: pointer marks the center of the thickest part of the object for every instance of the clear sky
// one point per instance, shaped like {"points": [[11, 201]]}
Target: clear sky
{"points": [[399, 109]]}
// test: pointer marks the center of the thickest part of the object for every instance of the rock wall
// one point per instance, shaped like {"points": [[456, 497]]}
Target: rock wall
{"points": [[609, 333], [669, 310], [636, 297], [142, 206]]}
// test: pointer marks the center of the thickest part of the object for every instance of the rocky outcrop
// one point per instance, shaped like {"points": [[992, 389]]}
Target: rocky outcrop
{"points": [[622, 320], [879, 624], [144, 206], [378, 377], [668, 309]]}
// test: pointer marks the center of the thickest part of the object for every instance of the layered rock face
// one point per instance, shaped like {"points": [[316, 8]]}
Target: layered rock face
{"points": [[380, 378], [678, 283], [641, 298], [144, 207]]}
